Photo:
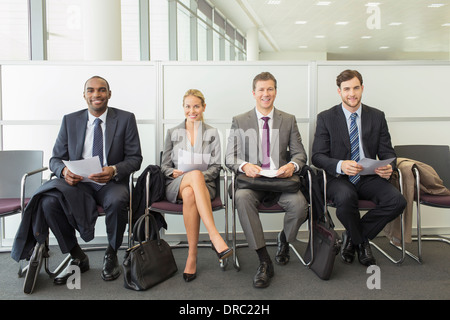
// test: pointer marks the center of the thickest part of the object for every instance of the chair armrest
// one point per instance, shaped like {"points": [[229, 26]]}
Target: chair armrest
{"points": [[23, 185]]}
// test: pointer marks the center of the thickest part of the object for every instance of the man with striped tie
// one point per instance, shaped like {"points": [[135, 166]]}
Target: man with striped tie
{"points": [[345, 134]]}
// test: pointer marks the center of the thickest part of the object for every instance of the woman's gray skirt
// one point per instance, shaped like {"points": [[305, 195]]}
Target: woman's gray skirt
{"points": [[173, 188]]}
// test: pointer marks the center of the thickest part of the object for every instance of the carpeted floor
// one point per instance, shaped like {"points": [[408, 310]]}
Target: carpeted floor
{"points": [[409, 281]]}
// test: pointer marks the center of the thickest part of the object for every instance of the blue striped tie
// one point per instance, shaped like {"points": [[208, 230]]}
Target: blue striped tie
{"points": [[97, 146], [354, 143]]}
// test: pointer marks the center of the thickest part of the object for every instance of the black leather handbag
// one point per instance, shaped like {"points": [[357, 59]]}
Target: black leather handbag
{"points": [[150, 262], [291, 184], [326, 245]]}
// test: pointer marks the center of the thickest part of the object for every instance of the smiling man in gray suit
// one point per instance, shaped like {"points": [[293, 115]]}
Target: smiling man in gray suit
{"points": [[66, 204], [346, 133], [265, 138]]}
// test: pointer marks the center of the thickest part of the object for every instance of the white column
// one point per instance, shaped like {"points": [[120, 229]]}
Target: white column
{"points": [[252, 44], [102, 33]]}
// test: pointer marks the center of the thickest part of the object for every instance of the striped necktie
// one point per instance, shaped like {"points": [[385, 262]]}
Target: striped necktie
{"points": [[354, 143]]}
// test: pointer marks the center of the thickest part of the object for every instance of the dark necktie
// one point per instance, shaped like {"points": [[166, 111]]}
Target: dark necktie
{"points": [[266, 144], [97, 146], [354, 144]]}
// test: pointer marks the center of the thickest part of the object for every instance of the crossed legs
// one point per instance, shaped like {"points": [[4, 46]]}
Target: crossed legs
{"points": [[196, 206]]}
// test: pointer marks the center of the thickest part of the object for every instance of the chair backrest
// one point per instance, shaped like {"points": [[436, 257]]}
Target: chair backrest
{"points": [[13, 165], [437, 156]]}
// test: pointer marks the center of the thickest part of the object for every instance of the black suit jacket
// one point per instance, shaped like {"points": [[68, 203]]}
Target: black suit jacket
{"points": [[332, 142]]}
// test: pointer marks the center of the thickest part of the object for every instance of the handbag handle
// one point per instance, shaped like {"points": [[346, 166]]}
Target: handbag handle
{"points": [[138, 227]]}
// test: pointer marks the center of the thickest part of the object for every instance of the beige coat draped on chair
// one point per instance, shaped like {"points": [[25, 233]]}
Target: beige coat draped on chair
{"points": [[429, 183]]}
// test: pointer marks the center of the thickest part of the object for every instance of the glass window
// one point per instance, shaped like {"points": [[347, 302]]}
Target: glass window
{"points": [[14, 30], [130, 30], [159, 30], [65, 30], [183, 34], [202, 41], [216, 46]]}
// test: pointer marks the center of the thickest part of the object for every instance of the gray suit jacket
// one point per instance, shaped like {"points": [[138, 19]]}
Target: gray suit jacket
{"points": [[244, 141], [122, 144], [208, 142]]}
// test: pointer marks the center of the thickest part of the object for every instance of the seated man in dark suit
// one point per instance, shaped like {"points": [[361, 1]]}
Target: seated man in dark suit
{"points": [[66, 204], [345, 134]]}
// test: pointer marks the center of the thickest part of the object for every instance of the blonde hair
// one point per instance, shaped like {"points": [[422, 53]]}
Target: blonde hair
{"points": [[196, 93]]}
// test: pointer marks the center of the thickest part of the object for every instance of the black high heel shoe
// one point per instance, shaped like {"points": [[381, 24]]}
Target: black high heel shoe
{"points": [[189, 276], [224, 254]]}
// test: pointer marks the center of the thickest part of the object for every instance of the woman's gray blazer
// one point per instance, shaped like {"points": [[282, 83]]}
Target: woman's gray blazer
{"points": [[207, 142]]}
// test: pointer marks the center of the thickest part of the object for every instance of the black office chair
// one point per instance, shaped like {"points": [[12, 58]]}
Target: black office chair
{"points": [[438, 157], [366, 205], [274, 208], [167, 207]]}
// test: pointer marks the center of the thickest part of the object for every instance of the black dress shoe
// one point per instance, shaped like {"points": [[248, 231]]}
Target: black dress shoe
{"points": [[83, 264], [188, 277], [263, 275], [34, 266], [224, 254], [282, 255], [365, 255], [111, 269], [347, 248]]}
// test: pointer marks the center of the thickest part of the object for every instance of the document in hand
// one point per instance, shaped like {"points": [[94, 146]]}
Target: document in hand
{"points": [[268, 173], [85, 167], [188, 161], [369, 165]]}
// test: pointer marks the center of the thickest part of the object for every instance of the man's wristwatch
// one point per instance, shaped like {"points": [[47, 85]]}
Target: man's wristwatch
{"points": [[115, 171]]}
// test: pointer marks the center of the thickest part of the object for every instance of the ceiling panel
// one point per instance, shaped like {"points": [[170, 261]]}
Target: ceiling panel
{"points": [[347, 29]]}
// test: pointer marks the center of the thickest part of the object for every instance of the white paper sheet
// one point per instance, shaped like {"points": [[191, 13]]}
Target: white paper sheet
{"points": [[85, 168], [369, 165], [268, 173], [188, 161]]}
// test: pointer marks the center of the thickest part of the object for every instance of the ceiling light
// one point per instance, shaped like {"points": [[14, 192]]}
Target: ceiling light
{"points": [[411, 38], [436, 5], [395, 23], [274, 2], [323, 3], [319, 37], [301, 22], [372, 4], [383, 48], [343, 47], [303, 47], [446, 25], [341, 23], [366, 37]]}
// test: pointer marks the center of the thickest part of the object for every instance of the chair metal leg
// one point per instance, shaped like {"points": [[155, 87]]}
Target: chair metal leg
{"points": [[402, 247]]}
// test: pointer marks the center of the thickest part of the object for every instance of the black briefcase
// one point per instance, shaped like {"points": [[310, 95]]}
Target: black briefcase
{"points": [[326, 245]]}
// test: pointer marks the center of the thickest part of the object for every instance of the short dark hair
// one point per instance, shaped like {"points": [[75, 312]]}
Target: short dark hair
{"points": [[348, 75], [264, 76], [96, 77]]}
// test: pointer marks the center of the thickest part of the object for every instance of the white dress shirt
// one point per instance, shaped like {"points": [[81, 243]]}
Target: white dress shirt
{"points": [[89, 138]]}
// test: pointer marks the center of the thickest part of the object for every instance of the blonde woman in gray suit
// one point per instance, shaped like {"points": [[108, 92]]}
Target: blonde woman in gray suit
{"points": [[194, 188]]}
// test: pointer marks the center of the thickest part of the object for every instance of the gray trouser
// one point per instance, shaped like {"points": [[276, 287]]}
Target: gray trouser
{"points": [[247, 201]]}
